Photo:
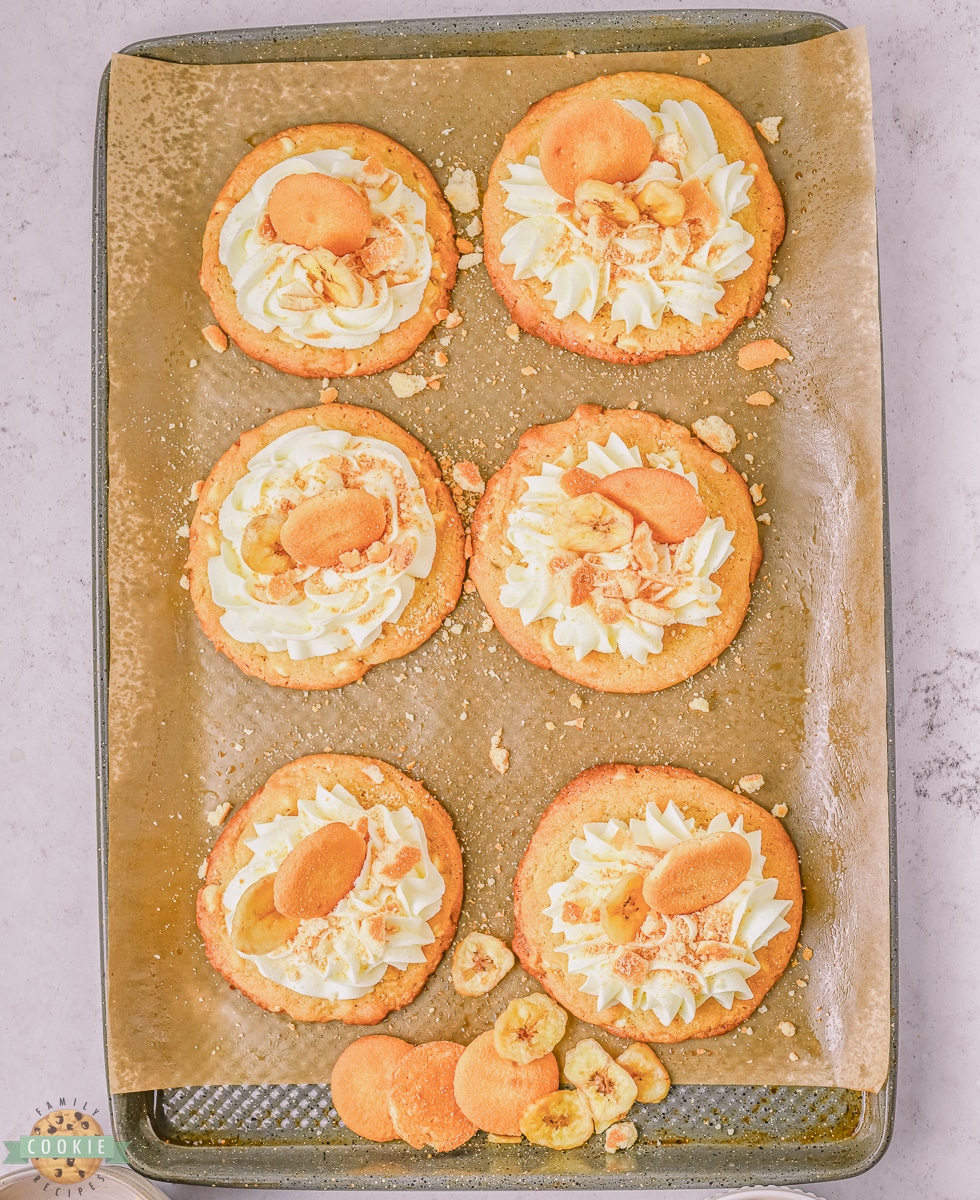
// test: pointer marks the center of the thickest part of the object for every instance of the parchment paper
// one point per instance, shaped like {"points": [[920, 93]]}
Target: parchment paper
{"points": [[799, 697]]}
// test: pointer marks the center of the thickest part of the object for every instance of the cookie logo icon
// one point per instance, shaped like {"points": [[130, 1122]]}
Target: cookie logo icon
{"points": [[58, 1132]]}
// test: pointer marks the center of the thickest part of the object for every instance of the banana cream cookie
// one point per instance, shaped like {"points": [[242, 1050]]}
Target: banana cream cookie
{"points": [[329, 251], [656, 903], [324, 542], [332, 893], [632, 217], [616, 549]]}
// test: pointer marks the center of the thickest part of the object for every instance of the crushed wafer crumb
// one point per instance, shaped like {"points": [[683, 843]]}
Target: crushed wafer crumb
{"points": [[217, 816], [487, 624], [202, 870], [793, 1056], [716, 433], [761, 399], [434, 381], [404, 385], [779, 810], [513, 332], [575, 700], [452, 319], [769, 128], [184, 531], [475, 228], [699, 704], [499, 755], [469, 587], [748, 785], [461, 190], [807, 953], [755, 491], [529, 370], [471, 260], [703, 60], [185, 583], [216, 338], [786, 1028], [440, 358], [467, 475], [464, 245], [762, 353], [764, 519], [195, 491], [329, 395]]}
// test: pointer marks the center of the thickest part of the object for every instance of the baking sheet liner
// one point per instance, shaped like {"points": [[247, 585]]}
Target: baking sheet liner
{"points": [[799, 697]]}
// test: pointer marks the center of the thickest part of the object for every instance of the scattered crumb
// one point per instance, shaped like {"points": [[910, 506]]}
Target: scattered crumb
{"points": [[569, 53], [216, 338], [764, 519], [793, 1056], [475, 227], [755, 491], [773, 280], [374, 773], [529, 370], [487, 624], [779, 810], [217, 816], [404, 385], [716, 433], [195, 491], [440, 358], [577, 723], [748, 785], [469, 587], [185, 583], [329, 395], [762, 353], [451, 319], [703, 60], [699, 704], [620, 1136], [575, 700], [202, 870], [807, 953], [434, 381], [769, 128], [467, 475], [761, 399], [471, 260], [461, 191], [184, 531], [464, 245], [192, 363], [549, 725], [514, 332], [499, 755], [786, 1028]]}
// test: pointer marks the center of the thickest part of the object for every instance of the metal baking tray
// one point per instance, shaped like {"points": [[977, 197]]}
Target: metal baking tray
{"points": [[290, 1136]]}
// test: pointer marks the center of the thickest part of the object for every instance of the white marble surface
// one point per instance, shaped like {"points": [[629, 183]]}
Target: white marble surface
{"points": [[925, 67]]}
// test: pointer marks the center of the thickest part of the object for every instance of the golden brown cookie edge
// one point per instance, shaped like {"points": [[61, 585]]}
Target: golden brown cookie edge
{"points": [[764, 218], [610, 790], [311, 361], [280, 794], [687, 649], [433, 599]]}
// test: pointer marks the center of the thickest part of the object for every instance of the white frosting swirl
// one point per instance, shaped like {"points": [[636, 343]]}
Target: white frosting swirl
{"points": [[333, 608], [642, 271], [273, 288], [378, 924], [675, 963], [675, 579]]}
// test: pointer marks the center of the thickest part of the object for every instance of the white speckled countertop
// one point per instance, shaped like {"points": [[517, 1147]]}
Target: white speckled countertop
{"points": [[926, 71]]}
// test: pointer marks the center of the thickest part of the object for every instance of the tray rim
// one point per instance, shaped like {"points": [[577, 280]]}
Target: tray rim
{"points": [[131, 1113]]}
